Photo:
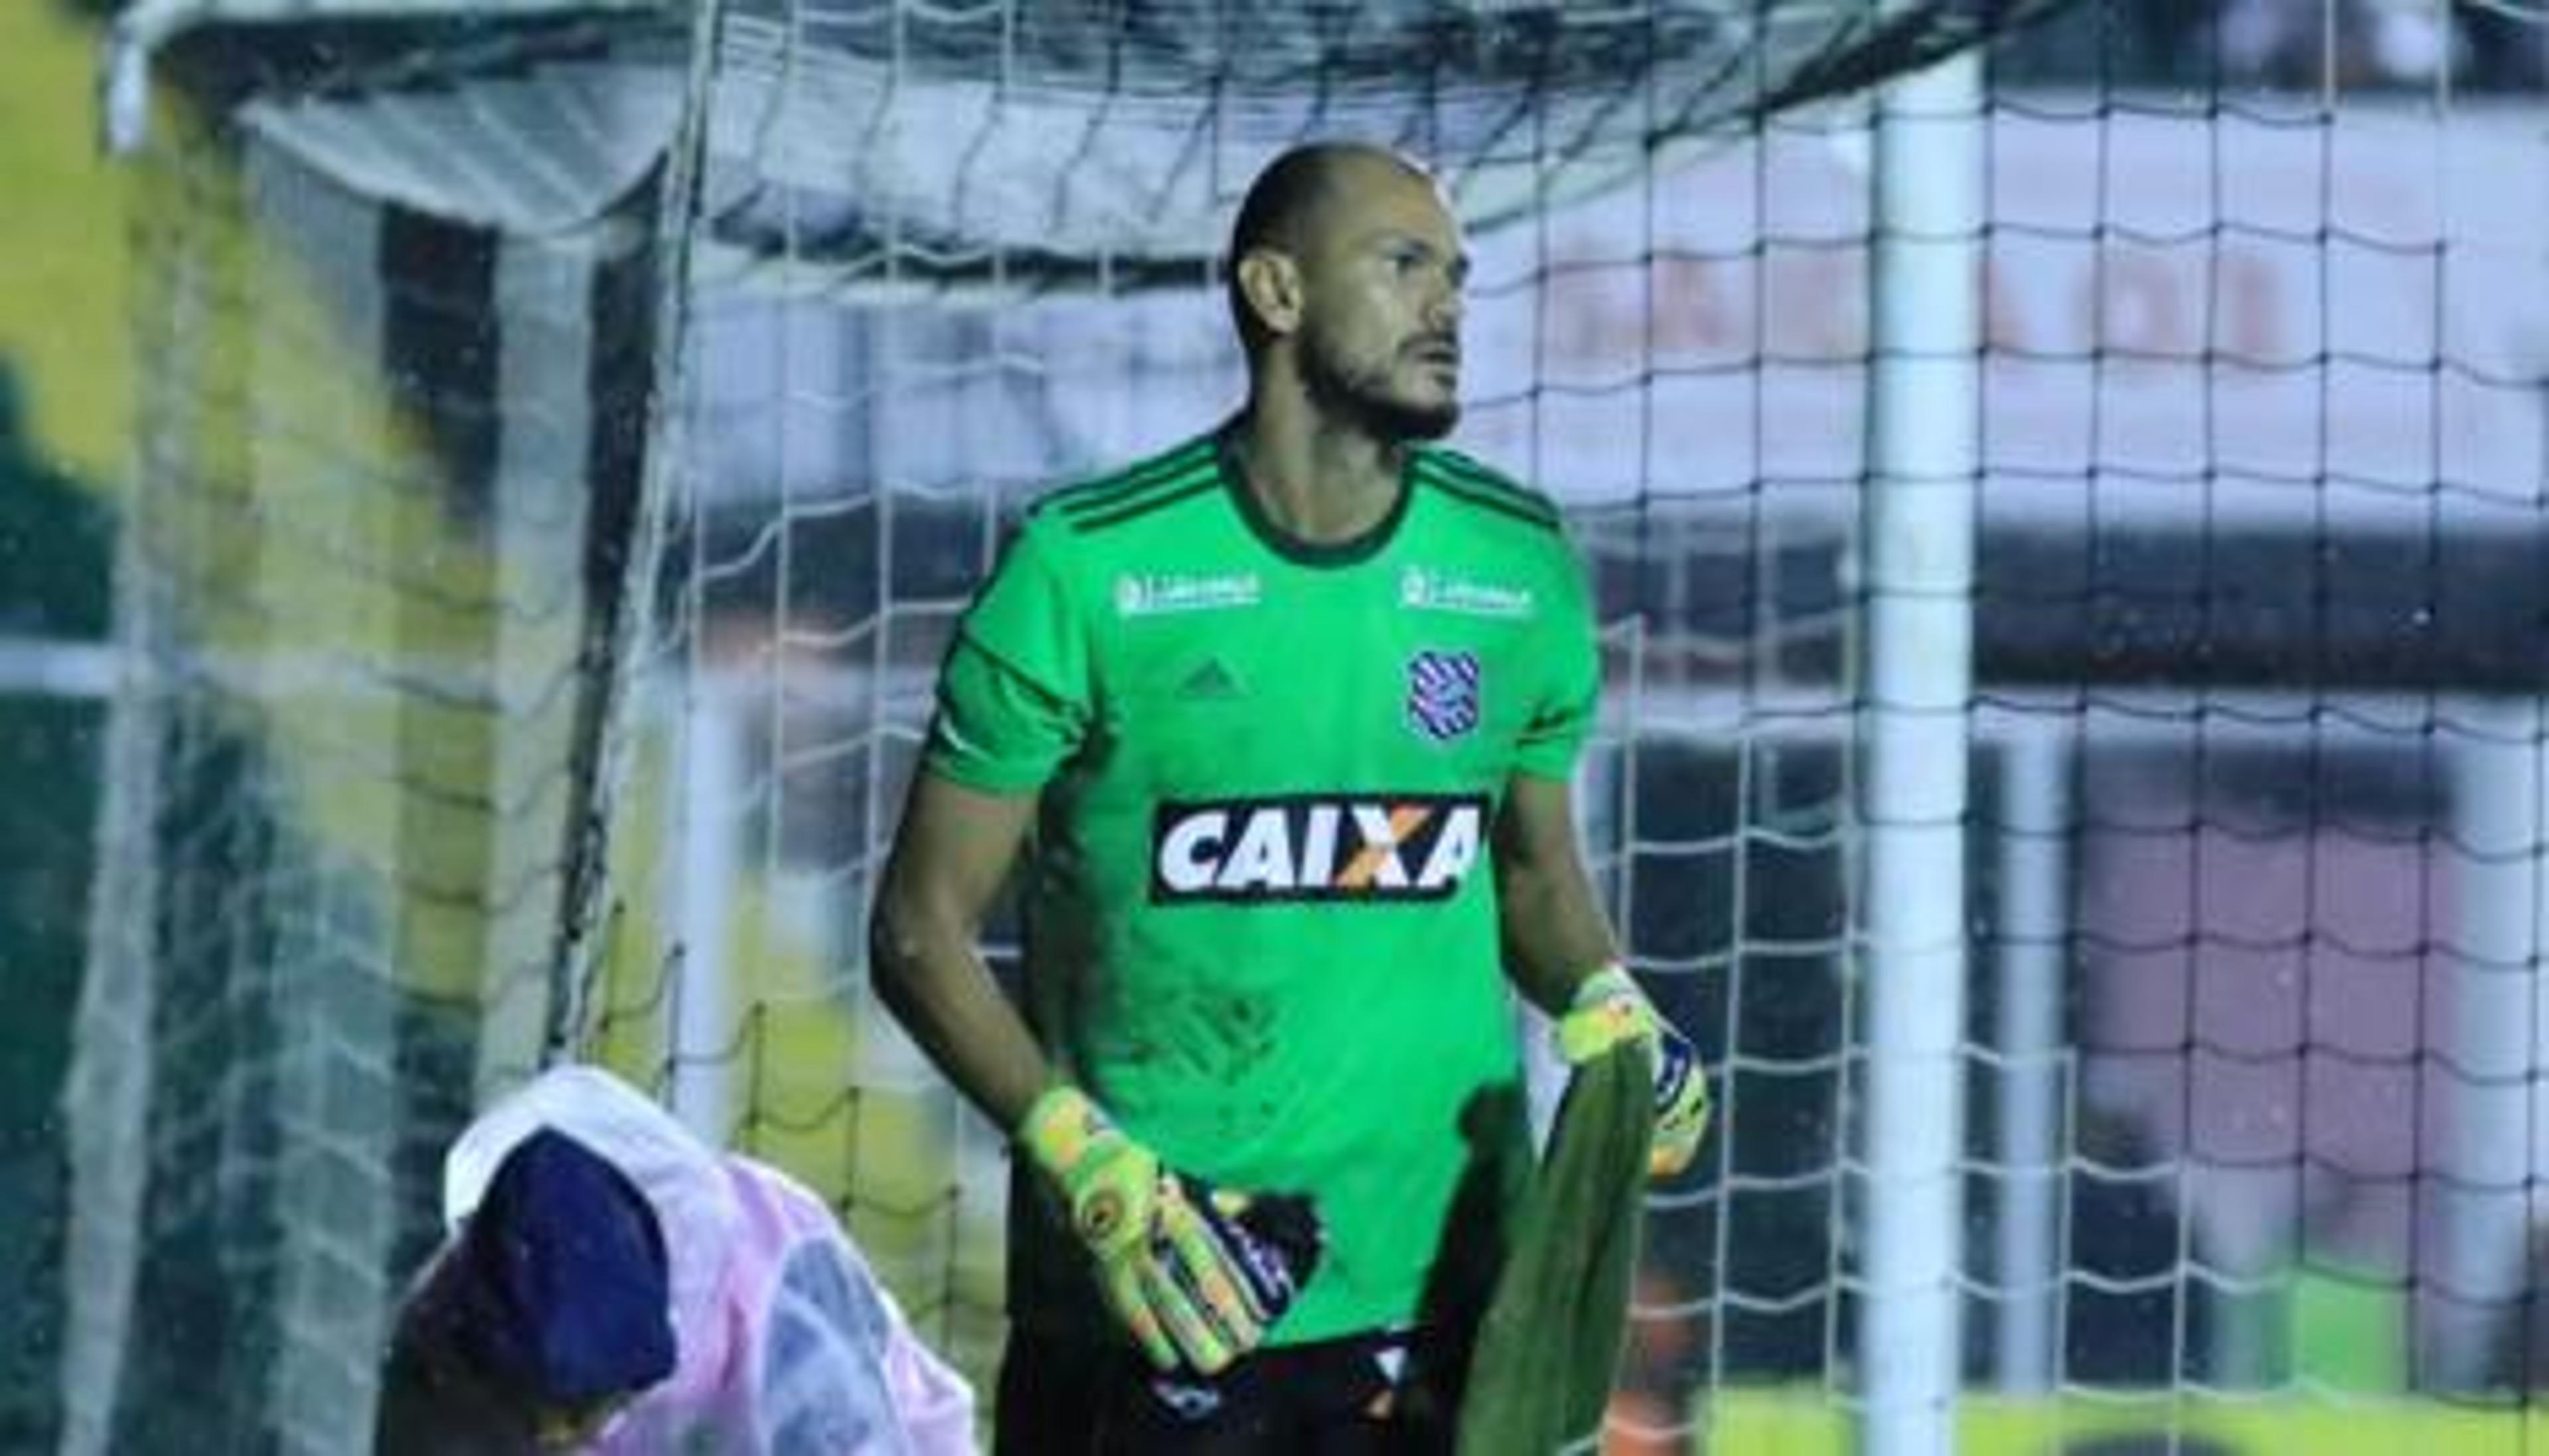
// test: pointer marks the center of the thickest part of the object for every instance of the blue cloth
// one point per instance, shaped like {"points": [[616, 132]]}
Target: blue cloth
{"points": [[565, 1293]]}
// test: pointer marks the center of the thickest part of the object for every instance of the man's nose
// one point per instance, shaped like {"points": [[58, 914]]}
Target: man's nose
{"points": [[1444, 310]]}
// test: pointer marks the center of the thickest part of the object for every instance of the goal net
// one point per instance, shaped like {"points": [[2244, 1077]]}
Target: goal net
{"points": [[389, 438], [2066, 529]]}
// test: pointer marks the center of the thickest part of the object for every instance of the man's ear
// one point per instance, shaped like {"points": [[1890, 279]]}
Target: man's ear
{"points": [[1271, 284]]}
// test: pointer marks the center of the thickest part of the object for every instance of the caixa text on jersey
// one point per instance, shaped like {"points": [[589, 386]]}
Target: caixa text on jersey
{"points": [[1315, 847]]}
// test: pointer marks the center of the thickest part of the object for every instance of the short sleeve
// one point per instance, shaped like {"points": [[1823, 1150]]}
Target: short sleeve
{"points": [[1569, 693], [1013, 694]]}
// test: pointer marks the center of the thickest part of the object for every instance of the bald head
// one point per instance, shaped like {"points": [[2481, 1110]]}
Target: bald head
{"points": [[1292, 199]]}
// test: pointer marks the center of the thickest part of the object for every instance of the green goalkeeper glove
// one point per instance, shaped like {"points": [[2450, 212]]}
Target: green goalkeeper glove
{"points": [[1609, 1009], [1197, 1274]]}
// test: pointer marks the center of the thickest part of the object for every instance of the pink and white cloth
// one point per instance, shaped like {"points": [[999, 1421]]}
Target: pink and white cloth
{"points": [[789, 1346]]}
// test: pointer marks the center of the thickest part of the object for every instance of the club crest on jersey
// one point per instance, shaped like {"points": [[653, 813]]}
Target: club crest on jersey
{"points": [[1315, 847], [1443, 693]]}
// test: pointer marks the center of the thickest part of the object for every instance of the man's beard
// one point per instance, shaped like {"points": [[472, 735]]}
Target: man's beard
{"points": [[1360, 395]]}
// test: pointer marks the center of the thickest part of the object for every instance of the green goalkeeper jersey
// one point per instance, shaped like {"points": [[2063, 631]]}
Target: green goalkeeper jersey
{"points": [[1260, 926]]}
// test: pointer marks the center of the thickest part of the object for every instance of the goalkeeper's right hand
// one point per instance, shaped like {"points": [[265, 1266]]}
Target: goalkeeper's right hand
{"points": [[1198, 1275]]}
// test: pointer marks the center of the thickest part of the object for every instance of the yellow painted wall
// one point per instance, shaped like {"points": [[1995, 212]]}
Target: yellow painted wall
{"points": [[62, 264]]}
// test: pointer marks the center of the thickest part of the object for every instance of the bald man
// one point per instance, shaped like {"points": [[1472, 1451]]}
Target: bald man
{"points": [[1281, 721]]}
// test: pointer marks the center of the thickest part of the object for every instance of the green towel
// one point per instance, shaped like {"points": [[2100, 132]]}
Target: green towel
{"points": [[1546, 1352]]}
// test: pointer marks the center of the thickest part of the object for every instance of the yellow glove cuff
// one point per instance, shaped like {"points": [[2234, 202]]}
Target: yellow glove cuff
{"points": [[1060, 1127], [1607, 1010]]}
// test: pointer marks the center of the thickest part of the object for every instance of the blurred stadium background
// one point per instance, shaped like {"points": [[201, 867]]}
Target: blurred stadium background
{"points": [[2068, 485]]}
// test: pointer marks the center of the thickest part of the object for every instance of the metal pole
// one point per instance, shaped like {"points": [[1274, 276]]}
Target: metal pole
{"points": [[2477, 1199], [2033, 895], [1917, 676], [708, 1048]]}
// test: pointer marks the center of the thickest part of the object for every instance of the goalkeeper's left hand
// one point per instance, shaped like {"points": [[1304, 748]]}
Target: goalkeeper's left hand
{"points": [[1609, 1009]]}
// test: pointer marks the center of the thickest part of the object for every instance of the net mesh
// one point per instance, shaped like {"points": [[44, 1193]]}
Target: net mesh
{"points": [[375, 447]]}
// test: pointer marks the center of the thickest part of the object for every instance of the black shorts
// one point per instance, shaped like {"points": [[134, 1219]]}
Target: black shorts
{"points": [[1351, 1396]]}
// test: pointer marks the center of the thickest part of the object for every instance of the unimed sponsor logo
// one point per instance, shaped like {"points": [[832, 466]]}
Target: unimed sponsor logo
{"points": [[1151, 593], [1427, 590], [1316, 846]]}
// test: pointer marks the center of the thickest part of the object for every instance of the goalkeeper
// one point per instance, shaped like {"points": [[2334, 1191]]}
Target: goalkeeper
{"points": [[1281, 721]]}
